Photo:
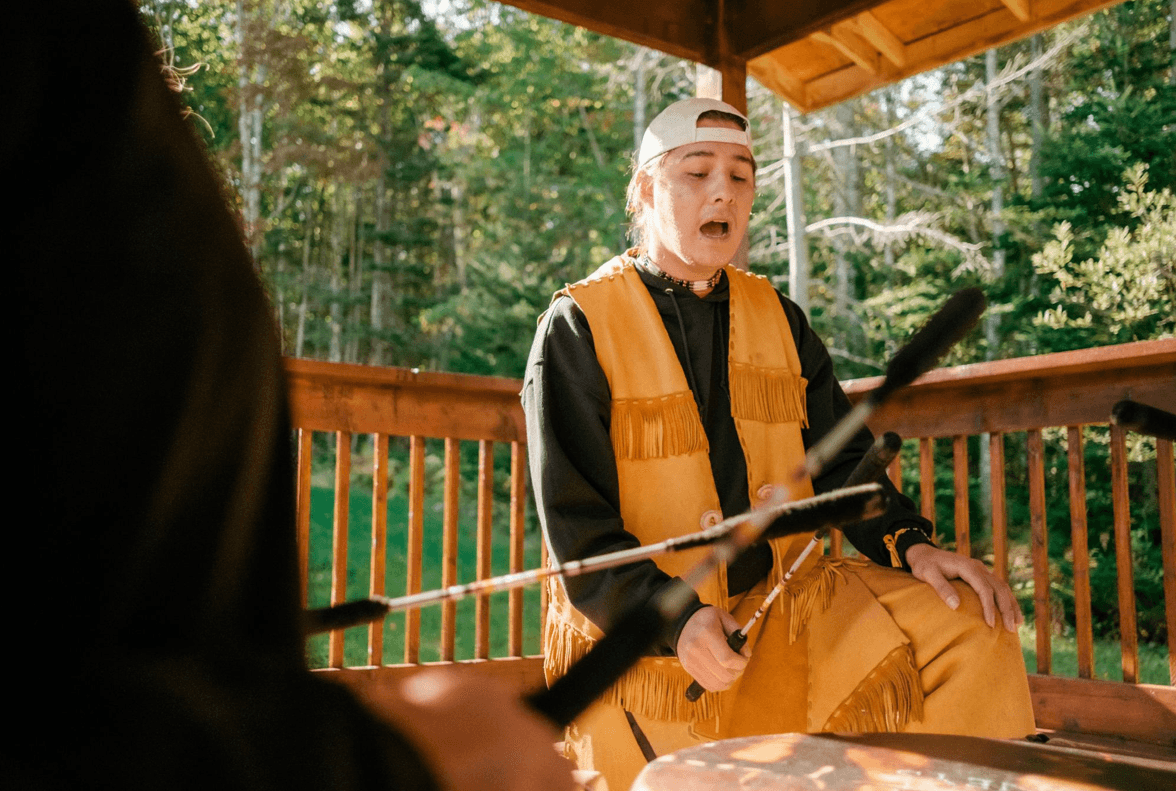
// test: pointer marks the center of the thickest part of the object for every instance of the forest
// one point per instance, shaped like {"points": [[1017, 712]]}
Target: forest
{"points": [[415, 178]]}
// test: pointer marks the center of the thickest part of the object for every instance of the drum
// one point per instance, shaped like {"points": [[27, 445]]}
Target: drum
{"points": [[893, 762]]}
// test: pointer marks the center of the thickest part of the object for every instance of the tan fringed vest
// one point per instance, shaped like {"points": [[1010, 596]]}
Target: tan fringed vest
{"points": [[666, 485]]}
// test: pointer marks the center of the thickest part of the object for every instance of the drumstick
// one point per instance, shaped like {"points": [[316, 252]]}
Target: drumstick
{"points": [[1143, 419], [872, 464], [629, 639], [844, 506], [925, 348]]}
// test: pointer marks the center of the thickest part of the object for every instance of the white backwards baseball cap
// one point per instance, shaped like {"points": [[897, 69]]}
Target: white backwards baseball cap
{"points": [[677, 125]]}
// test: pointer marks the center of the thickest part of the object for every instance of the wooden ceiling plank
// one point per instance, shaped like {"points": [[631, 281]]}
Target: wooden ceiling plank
{"points": [[674, 28], [760, 26], [881, 38], [839, 85], [772, 76], [1020, 8], [851, 46]]}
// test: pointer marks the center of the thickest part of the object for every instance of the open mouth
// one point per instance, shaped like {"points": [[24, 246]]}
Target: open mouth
{"points": [[714, 229]]}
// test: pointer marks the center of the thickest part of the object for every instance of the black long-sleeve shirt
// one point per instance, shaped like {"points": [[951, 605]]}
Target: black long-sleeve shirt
{"points": [[567, 401]]}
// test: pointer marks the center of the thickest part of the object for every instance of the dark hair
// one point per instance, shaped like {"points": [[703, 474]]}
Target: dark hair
{"points": [[719, 115]]}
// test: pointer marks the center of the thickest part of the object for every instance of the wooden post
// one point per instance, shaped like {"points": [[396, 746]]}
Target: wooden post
{"points": [[1040, 540], [1083, 629], [339, 539], [485, 524], [1128, 630], [303, 511], [963, 527], [1166, 494], [1000, 519], [379, 542], [449, 544], [414, 540], [518, 504], [927, 480]]}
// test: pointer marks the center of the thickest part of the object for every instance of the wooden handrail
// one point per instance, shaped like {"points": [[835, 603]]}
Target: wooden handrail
{"points": [[1061, 389], [1068, 391]]}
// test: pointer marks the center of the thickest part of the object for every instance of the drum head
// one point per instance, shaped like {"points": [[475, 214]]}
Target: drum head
{"points": [[891, 762]]}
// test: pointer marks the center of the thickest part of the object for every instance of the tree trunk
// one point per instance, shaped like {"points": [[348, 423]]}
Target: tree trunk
{"points": [[847, 203], [335, 354], [355, 275], [300, 335], [798, 267], [249, 127], [1172, 40], [381, 283], [991, 325], [996, 171], [1037, 119], [891, 179]]}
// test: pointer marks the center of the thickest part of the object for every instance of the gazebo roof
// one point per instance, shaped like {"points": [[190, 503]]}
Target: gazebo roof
{"points": [[815, 53]]}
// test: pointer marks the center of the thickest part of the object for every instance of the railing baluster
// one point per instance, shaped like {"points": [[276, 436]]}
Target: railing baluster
{"points": [[379, 541], [1122, 518], [339, 539], [302, 511], [1000, 513], [1039, 537], [449, 544], [927, 480], [1076, 465], [963, 527], [518, 504], [485, 525], [1166, 494], [414, 541]]}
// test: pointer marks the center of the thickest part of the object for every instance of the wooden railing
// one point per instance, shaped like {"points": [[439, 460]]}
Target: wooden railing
{"points": [[390, 404], [1070, 392], [1033, 395]]}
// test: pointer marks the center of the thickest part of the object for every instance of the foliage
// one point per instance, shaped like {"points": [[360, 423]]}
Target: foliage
{"points": [[1127, 292], [424, 176]]}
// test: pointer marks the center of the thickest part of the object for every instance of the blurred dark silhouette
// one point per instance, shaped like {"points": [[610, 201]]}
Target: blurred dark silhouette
{"points": [[151, 561]]}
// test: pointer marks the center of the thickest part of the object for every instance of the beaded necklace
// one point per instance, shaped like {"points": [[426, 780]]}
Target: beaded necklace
{"points": [[697, 286]]}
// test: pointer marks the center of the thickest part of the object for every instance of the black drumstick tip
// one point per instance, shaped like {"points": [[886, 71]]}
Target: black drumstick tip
{"points": [[933, 340]]}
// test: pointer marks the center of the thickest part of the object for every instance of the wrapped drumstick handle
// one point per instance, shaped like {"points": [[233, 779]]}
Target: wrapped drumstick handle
{"points": [[872, 465]]}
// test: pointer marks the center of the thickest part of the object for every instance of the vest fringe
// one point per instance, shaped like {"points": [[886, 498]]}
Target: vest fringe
{"points": [[816, 586], [659, 694], [886, 700], [769, 395], [656, 428]]}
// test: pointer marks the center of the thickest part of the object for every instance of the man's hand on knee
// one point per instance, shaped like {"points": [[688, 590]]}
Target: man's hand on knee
{"points": [[703, 650], [936, 566]]}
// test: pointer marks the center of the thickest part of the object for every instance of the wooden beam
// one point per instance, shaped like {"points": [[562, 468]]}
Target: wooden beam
{"points": [[1063, 389], [1140, 712], [761, 26], [1020, 8], [402, 402], [881, 38], [783, 83], [670, 27], [851, 46], [734, 81]]}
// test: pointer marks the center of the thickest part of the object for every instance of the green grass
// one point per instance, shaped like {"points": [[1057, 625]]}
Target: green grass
{"points": [[1153, 659], [359, 570]]}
